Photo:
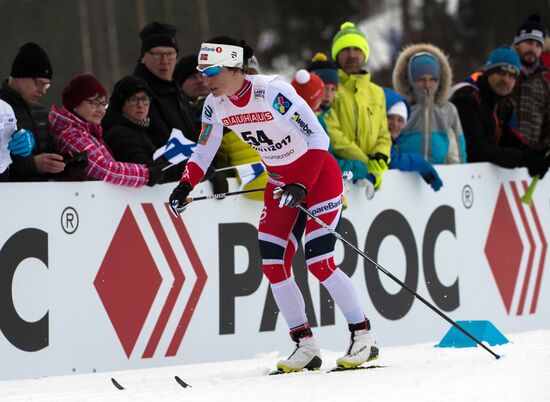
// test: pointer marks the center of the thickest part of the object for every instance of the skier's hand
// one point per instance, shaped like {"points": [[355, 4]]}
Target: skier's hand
{"points": [[178, 198], [291, 195]]}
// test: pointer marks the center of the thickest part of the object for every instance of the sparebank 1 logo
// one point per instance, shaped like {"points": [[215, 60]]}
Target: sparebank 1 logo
{"points": [[516, 250], [145, 296]]}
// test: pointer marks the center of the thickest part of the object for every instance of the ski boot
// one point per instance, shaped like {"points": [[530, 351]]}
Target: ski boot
{"points": [[306, 355], [362, 348]]}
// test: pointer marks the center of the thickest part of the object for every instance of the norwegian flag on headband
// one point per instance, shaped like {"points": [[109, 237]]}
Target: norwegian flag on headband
{"points": [[177, 149], [249, 173]]}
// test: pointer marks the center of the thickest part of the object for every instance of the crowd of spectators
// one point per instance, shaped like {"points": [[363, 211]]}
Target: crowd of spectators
{"points": [[499, 114]]}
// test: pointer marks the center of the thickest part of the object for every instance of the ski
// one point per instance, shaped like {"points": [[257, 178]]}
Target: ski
{"points": [[337, 369], [182, 383]]}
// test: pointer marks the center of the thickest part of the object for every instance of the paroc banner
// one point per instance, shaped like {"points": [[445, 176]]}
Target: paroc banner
{"points": [[94, 277]]}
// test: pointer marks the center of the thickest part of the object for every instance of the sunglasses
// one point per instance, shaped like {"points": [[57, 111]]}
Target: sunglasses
{"points": [[211, 71]]}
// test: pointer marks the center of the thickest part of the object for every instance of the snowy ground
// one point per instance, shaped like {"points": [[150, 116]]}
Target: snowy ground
{"points": [[412, 373]]}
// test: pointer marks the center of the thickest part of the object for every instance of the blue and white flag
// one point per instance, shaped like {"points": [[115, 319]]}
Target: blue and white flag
{"points": [[177, 149], [249, 172]]}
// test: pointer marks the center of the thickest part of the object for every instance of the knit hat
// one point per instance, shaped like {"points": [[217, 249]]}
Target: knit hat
{"points": [[423, 63], [31, 62], [186, 67], [157, 34], [127, 87], [531, 29], [309, 86], [80, 88], [324, 68], [349, 36], [503, 59], [400, 109]]}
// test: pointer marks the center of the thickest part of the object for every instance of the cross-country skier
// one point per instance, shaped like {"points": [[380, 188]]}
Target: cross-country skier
{"points": [[266, 112]]}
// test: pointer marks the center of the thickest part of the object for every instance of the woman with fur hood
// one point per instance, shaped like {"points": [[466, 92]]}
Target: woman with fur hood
{"points": [[423, 76]]}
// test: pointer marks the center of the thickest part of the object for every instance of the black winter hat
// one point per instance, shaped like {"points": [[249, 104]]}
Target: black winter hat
{"points": [[127, 87], [157, 34], [531, 29], [31, 62], [186, 67]]}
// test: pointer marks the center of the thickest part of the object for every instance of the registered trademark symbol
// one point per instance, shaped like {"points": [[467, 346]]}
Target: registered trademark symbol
{"points": [[467, 196], [69, 220]]}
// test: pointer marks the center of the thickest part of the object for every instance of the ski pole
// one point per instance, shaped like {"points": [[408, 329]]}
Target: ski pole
{"points": [[395, 279], [223, 195], [528, 196]]}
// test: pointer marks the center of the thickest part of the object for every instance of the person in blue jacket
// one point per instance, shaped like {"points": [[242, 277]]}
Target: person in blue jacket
{"points": [[397, 111]]}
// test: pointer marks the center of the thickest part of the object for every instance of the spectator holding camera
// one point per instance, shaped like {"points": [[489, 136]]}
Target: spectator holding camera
{"points": [[29, 79], [77, 128]]}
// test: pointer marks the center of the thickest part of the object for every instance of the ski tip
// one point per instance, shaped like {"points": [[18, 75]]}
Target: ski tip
{"points": [[116, 384], [181, 382]]}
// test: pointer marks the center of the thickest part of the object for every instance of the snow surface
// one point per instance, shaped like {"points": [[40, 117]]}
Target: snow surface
{"points": [[412, 373]]}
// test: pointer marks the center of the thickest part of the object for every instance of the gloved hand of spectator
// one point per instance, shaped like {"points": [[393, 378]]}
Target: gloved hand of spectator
{"points": [[74, 163], [377, 164], [537, 164], [178, 199], [156, 170], [22, 143], [291, 195], [219, 183], [210, 172], [430, 176]]}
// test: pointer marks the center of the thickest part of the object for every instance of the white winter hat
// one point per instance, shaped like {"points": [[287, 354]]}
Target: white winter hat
{"points": [[400, 109]]}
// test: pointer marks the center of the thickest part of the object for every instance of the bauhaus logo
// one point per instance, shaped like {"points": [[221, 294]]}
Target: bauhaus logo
{"points": [[142, 284], [516, 250]]}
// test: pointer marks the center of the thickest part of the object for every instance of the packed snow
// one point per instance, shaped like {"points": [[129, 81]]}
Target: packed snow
{"points": [[409, 373]]}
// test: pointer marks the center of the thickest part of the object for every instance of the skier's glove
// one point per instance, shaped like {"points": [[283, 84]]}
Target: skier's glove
{"points": [[291, 195], [178, 198]]}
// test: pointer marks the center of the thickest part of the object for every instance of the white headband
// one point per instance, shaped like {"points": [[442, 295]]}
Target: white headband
{"points": [[221, 55]]}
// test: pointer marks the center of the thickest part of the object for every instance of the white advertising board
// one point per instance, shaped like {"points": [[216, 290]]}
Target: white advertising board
{"points": [[94, 277]]}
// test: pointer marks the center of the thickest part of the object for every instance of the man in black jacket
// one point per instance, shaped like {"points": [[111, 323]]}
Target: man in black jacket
{"points": [[169, 108], [487, 114], [29, 79]]}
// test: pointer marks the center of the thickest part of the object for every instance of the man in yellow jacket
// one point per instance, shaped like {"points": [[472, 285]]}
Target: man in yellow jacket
{"points": [[356, 122]]}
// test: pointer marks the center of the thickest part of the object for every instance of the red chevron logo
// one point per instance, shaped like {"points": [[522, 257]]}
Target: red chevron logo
{"points": [[516, 250], [129, 282]]}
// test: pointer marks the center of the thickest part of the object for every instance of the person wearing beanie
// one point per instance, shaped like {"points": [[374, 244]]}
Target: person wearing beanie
{"points": [[532, 89], [356, 122], [76, 130], [30, 77], [267, 113], [487, 111], [328, 72], [125, 126], [169, 107], [192, 85], [423, 76], [398, 111]]}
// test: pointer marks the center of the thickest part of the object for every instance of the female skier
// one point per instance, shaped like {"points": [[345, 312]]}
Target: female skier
{"points": [[266, 112]]}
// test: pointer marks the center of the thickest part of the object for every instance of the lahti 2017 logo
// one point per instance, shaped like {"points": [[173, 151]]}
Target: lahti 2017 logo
{"points": [[129, 282], [516, 250]]}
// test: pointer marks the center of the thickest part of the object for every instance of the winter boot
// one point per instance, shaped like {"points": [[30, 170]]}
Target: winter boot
{"points": [[362, 348], [306, 355]]}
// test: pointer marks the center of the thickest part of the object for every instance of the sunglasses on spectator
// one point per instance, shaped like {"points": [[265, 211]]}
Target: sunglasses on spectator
{"points": [[134, 100], [159, 55], [96, 103], [211, 71], [40, 84]]}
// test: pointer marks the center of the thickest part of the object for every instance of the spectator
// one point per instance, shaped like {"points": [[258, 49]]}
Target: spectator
{"points": [[126, 122], [532, 90], [486, 110], [422, 74], [545, 57], [191, 83], [398, 112], [328, 72], [169, 109], [356, 122], [29, 79], [77, 128]]}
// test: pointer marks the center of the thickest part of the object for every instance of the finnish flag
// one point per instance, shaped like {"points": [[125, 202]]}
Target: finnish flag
{"points": [[177, 149]]}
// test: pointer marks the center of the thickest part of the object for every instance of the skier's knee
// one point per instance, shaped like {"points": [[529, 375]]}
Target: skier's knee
{"points": [[322, 269], [275, 273]]}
